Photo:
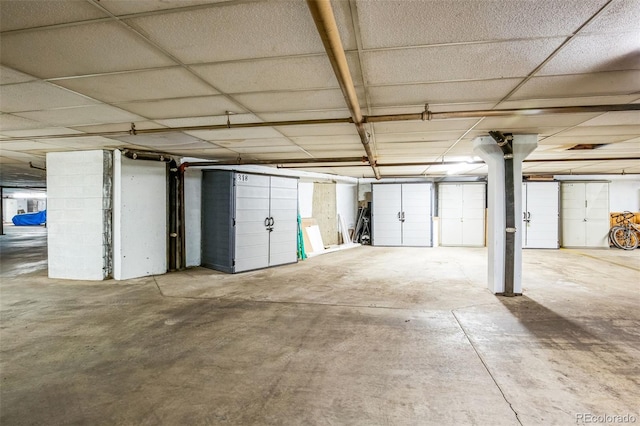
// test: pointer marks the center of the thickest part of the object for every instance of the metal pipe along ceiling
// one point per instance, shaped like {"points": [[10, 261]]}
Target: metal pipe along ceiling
{"points": [[328, 29], [421, 116]]}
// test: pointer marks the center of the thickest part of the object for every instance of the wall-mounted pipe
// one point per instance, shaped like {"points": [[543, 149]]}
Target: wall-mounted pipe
{"points": [[422, 116], [325, 21]]}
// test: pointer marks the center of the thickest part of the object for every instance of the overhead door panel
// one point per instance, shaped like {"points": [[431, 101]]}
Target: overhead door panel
{"points": [[473, 203], [284, 212]]}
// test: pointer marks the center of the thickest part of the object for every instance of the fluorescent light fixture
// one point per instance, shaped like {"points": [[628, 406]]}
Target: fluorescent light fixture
{"points": [[29, 195]]}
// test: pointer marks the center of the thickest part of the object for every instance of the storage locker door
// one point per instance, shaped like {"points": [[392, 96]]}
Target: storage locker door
{"points": [[386, 205], [473, 215], [283, 245], [252, 209], [542, 215], [416, 206], [450, 211], [597, 214], [573, 215]]}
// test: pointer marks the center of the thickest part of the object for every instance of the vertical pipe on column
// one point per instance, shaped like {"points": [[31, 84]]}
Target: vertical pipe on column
{"points": [[1, 211], [173, 219], [510, 222], [181, 220], [505, 144]]}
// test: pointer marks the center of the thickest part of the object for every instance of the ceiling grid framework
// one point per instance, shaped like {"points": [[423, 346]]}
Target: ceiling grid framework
{"points": [[98, 66]]}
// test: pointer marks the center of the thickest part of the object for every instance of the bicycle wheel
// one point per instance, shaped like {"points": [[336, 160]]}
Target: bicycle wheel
{"points": [[624, 238]]}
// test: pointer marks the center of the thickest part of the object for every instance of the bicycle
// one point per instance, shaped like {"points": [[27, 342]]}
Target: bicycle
{"points": [[625, 234]]}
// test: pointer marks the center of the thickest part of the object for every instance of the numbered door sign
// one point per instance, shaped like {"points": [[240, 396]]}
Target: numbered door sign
{"points": [[241, 177]]}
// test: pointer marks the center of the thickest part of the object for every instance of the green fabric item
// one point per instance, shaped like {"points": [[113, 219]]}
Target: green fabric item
{"points": [[302, 255]]}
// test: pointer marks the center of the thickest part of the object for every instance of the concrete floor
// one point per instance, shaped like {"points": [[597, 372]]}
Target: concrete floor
{"points": [[368, 336]]}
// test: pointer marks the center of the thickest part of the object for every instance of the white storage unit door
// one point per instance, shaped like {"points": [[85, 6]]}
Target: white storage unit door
{"points": [[462, 214], [402, 214], [540, 214], [266, 218], [585, 214]]}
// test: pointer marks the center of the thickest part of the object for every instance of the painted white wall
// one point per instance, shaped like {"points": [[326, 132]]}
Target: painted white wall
{"points": [[75, 215], [9, 209], [346, 203], [624, 190], [193, 216], [139, 217], [305, 199]]}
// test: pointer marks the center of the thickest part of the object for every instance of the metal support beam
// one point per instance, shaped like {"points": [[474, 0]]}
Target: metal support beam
{"points": [[325, 21]]}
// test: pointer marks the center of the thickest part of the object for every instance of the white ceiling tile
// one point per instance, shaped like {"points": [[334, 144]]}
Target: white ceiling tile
{"points": [[292, 101], [308, 141], [319, 130], [534, 121], [45, 131], [419, 137], [118, 127], [13, 122], [277, 74], [417, 109], [80, 116], [620, 118], [304, 115], [411, 22], [620, 15], [38, 95], [241, 31], [11, 76], [78, 50], [464, 91], [173, 140], [209, 120], [84, 143], [631, 131], [241, 133], [457, 62], [268, 149], [568, 101], [253, 143], [594, 53], [604, 83], [337, 153], [393, 145], [179, 108], [424, 126], [141, 85], [120, 7], [29, 14], [25, 145], [568, 141]]}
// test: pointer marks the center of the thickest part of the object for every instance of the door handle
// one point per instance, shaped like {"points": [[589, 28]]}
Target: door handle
{"points": [[399, 217], [271, 221], [266, 222], [402, 216], [528, 215]]}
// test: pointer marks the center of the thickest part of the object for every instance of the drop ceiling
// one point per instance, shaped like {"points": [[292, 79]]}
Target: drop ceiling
{"points": [[88, 67]]}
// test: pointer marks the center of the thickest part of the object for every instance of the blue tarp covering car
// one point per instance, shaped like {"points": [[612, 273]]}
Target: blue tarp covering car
{"points": [[30, 219]]}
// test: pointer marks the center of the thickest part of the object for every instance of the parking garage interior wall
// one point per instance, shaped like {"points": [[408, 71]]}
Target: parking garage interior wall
{"points": [[139, 218], [75, 217]]}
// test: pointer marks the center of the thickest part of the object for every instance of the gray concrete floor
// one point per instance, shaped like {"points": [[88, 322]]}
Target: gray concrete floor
{"points": [[368, 336]]}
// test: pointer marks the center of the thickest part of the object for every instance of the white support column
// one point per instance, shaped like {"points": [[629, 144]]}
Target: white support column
{"points": [[487, 148]]}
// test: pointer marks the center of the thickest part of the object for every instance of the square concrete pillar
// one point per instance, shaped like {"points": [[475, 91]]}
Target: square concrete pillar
{"points": [[487, 149]]}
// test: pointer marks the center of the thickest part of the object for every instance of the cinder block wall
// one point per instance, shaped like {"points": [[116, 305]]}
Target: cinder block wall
{"points": [[75, 220]]}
